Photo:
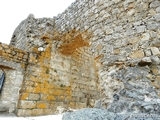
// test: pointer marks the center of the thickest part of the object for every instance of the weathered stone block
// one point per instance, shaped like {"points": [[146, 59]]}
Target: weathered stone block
{"points": [[24, 96], [158, 9], [34, 96], [140, 29], [108, 30], [47, 111], [155, 51], [3, 107], [28, 104], [37, 112], [59, 98], [157, 17], [152, 26], [56, 104], [80, 105], [56, 92], [83, 100], [158, 78], [155, 70], [42, 105], [8, 50], [145, 36], [5, 46], [91, 102], [148, 52], [137, 54], [72, 105], [155, 60], [155, 4], [18, 80], [1, 47], [32, 58]]}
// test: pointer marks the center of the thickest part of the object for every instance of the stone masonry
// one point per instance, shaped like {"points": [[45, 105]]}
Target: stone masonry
{"points": [[13, 62], [112, 46]]}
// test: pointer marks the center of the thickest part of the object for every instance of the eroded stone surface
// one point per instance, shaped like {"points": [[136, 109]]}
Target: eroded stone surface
{"points": [[112, 40]]}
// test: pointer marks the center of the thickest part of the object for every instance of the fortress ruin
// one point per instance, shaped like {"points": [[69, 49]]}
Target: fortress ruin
{"points": [[97, 53]]}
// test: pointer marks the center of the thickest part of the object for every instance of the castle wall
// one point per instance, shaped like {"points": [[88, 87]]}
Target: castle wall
{"points": [[57, 74], [32, 32], [53, 79], [12, 62], [118, 39], [125, 42]]}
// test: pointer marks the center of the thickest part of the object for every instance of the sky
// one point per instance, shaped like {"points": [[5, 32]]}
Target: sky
{"points": [[14, 11]]}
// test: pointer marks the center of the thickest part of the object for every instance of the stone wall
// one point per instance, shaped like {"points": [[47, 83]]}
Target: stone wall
{"points": [[12, 62], [53, 79], [36, 83], [121, 40], [32, 32], [125, 38], [57, 74]]}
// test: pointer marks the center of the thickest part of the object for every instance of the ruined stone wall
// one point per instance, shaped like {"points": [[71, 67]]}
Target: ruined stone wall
{"points": [[32, 32], [53, 79], [13, 63], [78, 71], [60, 71], [125, 42], [121, 40]]}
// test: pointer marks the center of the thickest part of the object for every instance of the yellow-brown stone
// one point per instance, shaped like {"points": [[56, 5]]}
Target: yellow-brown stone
{"points": [[137, 54]]}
